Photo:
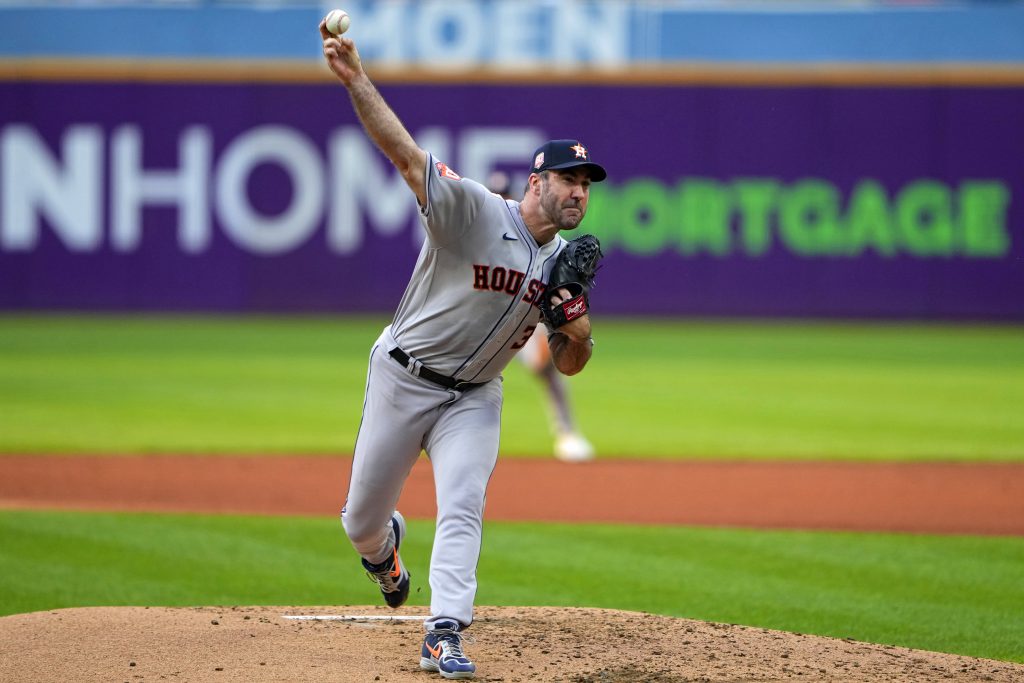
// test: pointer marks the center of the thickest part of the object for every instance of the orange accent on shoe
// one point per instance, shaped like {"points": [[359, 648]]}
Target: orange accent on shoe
{"points": [[396, 571], [436, 653]]}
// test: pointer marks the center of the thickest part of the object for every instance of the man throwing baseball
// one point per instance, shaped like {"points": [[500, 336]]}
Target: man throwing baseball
{"points": [[477, 292]]}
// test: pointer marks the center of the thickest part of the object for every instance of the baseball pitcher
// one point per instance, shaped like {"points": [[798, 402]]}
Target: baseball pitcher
{"points": [[490, 270]]}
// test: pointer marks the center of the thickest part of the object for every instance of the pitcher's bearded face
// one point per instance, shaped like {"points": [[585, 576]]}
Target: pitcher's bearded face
{"points": [[564, 195]]}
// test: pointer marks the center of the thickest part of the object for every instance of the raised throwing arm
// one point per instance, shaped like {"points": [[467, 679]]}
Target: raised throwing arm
{"points": [[379, 121]]}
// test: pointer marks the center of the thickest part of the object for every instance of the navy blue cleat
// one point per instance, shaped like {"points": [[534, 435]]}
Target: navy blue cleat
{"points": [[442, 652], [392, 576]]}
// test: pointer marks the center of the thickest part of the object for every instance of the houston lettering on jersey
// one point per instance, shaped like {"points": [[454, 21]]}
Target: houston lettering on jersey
{"points": [[508, 280], [533, 292], [497, 279]]}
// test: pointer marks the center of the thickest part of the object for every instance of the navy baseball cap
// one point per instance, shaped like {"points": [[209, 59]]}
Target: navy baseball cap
{"points": [[559, 154]]}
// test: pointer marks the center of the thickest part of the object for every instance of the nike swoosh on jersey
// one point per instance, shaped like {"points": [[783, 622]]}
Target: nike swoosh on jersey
{"points": [[509, 237]]}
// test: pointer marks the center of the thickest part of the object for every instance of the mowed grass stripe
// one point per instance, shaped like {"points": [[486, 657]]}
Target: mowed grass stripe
{"points": [[655, 388], [945, 593]]}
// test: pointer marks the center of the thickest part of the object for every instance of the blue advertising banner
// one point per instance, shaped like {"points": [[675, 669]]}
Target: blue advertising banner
{"points": [[531, 35], [797, 201]]}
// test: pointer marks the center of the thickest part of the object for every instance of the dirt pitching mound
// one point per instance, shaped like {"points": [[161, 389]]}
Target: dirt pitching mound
{"points": [[574, 645]]}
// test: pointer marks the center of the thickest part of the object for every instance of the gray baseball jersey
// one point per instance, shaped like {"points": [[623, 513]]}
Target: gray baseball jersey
{"points": [[471, 304]]}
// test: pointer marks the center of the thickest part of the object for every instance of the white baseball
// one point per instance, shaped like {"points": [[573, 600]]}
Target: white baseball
{"points": [[338, 21]]}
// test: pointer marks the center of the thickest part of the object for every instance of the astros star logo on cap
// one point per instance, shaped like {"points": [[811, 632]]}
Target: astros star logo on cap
{"points": [[563, 155]]}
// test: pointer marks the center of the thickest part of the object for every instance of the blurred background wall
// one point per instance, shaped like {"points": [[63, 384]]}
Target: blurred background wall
{"points": [[833, 159]]}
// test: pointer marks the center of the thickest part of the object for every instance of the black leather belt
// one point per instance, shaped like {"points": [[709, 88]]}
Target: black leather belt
{"points": [[431, 376]]}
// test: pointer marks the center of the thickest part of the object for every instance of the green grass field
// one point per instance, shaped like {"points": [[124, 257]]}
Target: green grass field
{"points": [[655, 389], [953, 594]]}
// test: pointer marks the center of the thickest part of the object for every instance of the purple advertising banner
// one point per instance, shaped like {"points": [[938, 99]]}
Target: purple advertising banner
{"points": [[744, 201]]}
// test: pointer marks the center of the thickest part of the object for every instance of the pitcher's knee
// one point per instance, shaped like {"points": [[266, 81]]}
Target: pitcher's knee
{"points": [[366, 536], [356, 530], [466, 508], [460, 519]]}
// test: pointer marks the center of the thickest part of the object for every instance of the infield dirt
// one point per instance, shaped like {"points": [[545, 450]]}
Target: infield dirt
{"points": [[572, 645], [964, 498]]}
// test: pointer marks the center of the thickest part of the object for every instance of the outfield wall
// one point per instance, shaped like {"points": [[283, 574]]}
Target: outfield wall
{"points": [[765, 159], [721, 200]]}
